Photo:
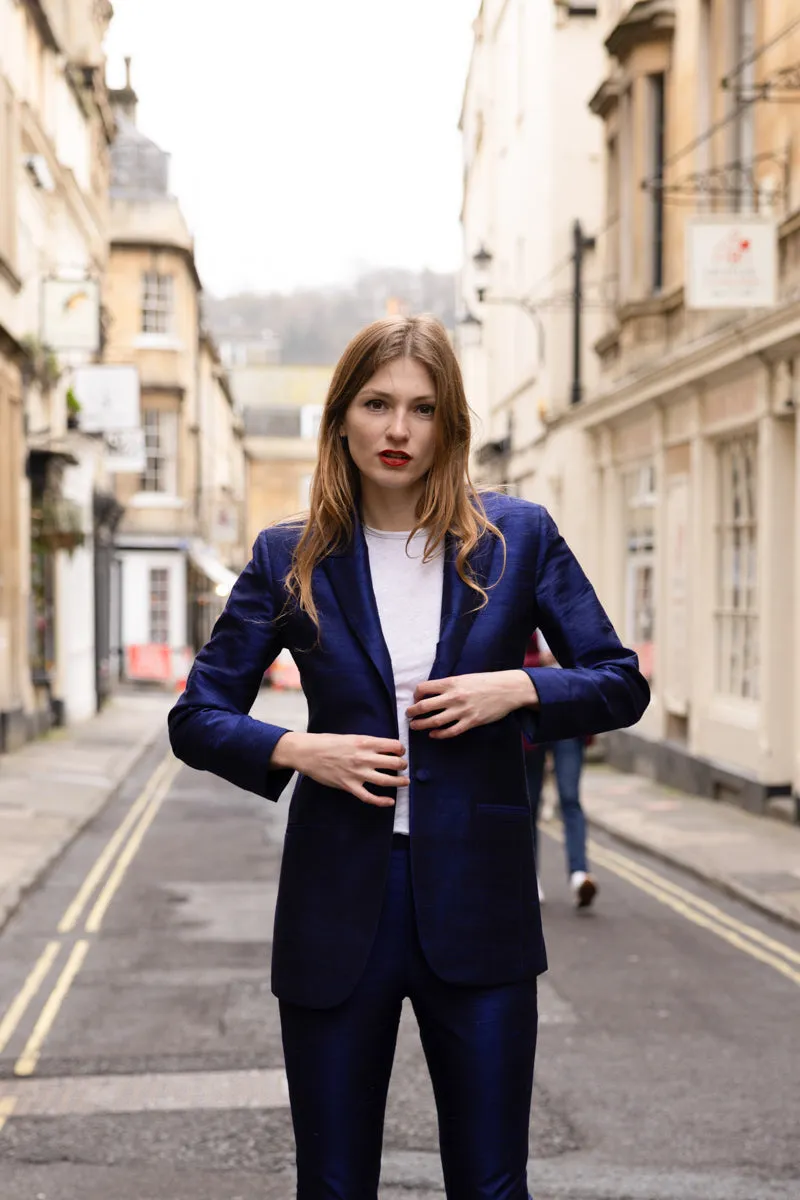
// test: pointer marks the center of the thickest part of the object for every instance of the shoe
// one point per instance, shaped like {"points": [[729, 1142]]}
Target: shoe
{"points": [[584, 888], [541, 889]]}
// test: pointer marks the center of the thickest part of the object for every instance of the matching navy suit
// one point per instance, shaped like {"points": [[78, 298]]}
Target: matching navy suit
{"points": [[462, 898]]}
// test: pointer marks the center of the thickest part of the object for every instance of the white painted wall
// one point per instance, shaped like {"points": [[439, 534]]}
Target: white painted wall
{"points": [[75, 657], [136, 565]]}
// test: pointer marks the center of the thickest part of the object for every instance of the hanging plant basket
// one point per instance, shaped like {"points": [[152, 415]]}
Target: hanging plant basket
{"points": [[57, 525]]}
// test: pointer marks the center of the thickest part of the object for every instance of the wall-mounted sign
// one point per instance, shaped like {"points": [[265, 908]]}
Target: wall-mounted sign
{"points": [[731, 262], [110, 404], [71, 314], [125, 450], [108, 396]]}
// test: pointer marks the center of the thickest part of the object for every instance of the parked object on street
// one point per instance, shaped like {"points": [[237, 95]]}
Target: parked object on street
{"points": [[411, 637], [567, 758]]}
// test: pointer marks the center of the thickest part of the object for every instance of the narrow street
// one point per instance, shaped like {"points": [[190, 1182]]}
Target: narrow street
{"points": [[140, 1054]]}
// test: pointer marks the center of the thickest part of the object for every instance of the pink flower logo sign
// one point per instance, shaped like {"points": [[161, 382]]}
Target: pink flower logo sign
{"points": [[732, 249], [731, 263]]}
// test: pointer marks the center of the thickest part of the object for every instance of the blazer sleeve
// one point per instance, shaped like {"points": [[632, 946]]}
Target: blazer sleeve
{"points": [[209, 727], [599, 686]]}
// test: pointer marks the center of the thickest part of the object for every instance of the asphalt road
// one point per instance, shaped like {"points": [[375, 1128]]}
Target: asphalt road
{"points": [[140, 1052]]}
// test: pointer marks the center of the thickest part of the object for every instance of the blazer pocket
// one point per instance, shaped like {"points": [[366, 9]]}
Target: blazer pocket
{"points": [[507, 811]]}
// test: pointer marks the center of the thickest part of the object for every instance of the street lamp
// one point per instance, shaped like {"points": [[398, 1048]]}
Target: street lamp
{"points": [[482, 261], [470, 329]]}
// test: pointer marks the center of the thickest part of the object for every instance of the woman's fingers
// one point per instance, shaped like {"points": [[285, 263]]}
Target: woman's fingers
{"points": [[362, 794], [385, 762], [453, 731]]}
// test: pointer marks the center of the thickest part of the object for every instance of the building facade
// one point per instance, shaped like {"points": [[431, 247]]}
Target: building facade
{"points": [[677, 475], [55, 131], [532, 171], [281, 407], [181, 541]]}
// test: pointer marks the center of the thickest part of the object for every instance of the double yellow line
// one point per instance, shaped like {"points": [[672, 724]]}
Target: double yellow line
{"points": [[116, 856], [743, 937]]}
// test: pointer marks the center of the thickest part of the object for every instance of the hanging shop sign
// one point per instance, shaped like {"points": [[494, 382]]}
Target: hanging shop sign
{"points": [[109, 403], [731, 262], [71, 314]]}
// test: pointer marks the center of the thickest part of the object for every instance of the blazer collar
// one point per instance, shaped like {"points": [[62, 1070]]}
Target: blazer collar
{"points": [[349, 573]]}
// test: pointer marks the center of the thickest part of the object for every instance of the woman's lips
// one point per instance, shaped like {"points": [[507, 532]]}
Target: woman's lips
{"points": [[394, 458]]}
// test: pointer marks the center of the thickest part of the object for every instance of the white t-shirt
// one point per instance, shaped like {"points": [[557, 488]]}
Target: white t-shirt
{"points": [[408, 593]]}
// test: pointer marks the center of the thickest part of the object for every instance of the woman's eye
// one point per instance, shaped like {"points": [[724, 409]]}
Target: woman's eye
{"points": [[426, 410], [374, 404]]}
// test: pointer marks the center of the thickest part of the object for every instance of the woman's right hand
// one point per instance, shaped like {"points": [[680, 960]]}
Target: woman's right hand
{"points": [[346, 761]]}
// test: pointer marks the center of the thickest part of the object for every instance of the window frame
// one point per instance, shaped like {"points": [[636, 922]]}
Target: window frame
{"points": [[736, 583], [160, 475], [158, 606], [157, 309], [639, 495]]}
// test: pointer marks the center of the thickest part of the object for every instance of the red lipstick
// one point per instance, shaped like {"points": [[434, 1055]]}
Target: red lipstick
{"points": [[394, 458]]}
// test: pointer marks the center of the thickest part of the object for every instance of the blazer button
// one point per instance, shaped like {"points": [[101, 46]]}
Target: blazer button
{"points": [[422, 775]]}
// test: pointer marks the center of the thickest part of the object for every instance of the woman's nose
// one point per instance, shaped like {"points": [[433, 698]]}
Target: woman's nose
{"points": [[398, 427]]}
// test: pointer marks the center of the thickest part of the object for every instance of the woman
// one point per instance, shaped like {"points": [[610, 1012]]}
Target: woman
{"points": [[407, 601]]}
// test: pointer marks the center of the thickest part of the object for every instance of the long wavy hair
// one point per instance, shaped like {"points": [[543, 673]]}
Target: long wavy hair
{"points": [[449, 504]]}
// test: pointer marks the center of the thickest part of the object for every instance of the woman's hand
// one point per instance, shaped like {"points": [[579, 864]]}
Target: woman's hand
{"points": [[345, 761], [465, 701]]}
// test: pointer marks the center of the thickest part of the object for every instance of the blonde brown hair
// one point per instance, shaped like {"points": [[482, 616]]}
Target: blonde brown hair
{"points": [[450, 502]]}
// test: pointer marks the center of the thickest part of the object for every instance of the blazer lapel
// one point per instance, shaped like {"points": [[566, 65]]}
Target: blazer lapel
{"points": [[349, 574], [460, 603]]}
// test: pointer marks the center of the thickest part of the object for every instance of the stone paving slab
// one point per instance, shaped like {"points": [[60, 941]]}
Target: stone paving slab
{"points": [[179, 1092], [51, 788], [754, 858]]}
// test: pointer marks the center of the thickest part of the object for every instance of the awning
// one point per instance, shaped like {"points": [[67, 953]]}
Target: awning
{"points": [[209, 565]]}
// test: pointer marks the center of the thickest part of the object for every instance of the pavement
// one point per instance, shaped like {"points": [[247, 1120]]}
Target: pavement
{"points": [[752, 858], [52, 788]]}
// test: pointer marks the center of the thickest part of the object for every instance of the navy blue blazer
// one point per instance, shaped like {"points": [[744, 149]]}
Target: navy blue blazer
{"points": [[474, 877]]}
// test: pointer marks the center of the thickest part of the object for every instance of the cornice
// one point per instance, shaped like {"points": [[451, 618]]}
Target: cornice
{"points": [[44, 26], [646, 21], [606, 98], [719, 351], [162, 246]]}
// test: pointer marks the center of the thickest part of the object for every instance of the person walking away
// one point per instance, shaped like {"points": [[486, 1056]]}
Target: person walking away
{"points": [[567, 755]]}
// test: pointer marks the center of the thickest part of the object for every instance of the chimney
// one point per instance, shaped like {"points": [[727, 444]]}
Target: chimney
{"points": [[124, 99]]}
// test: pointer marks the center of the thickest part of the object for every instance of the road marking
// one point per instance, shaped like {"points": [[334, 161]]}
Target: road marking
{"points": [[27, 992], [718, 914], [693, 908], [7, 1106], [125, 859], [26, 1063], [73, 913]]}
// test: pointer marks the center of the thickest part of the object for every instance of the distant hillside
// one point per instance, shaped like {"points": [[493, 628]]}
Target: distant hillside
{"points": [[314, 325]]}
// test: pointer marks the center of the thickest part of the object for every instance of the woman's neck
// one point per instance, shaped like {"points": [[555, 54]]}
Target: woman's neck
{"points": [[388, 510]]}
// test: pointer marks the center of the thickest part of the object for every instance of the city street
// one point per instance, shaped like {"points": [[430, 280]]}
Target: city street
{"points": [[140, 1054]]}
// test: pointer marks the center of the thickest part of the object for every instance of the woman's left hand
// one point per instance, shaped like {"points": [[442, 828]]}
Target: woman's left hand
{"points": [[464, 701]]}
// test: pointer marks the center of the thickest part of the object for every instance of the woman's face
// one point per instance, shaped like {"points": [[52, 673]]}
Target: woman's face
{"points": [[390, 426]]}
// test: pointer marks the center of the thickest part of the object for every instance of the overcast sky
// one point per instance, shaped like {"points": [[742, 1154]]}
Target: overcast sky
{"points": [[309, 139]]}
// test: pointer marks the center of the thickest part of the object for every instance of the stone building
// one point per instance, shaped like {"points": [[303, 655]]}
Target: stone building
{"points": [[281, 406], [181, 541], [676, 477], [55, 130]]}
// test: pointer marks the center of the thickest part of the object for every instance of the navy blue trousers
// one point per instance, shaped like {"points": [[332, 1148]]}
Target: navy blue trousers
{"points": [[479, 1044]]}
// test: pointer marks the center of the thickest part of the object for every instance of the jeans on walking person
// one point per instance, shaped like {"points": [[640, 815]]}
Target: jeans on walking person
{"points": [[568, 764]]}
